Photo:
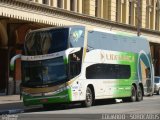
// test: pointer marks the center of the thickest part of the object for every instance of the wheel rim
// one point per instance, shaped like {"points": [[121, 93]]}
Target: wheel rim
{"points": [[89, 97]]}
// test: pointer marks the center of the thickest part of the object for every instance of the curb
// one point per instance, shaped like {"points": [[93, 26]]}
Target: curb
{"points": [[13, 111]]}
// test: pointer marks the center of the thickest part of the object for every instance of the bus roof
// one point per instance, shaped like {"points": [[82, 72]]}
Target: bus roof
{"points": [[118, 33], [50, 28]]}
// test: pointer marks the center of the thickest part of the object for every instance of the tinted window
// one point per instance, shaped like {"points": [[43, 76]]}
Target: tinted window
{"points": [[75, 63], [51, 71], [108, 71], [46, 41]]}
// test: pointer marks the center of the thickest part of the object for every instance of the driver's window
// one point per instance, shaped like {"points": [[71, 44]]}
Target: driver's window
{"points": [[75, 63]]}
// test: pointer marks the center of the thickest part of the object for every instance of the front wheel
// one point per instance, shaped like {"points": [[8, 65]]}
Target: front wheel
{"points": [[89, 98]]}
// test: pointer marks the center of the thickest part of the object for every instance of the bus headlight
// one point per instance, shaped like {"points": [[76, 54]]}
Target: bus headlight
{"points": [[49, 93], [56, 92]]}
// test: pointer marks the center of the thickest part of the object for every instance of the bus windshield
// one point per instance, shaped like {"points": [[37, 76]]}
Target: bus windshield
{"points": [[51, 70], [45, 72], [46, 41]]}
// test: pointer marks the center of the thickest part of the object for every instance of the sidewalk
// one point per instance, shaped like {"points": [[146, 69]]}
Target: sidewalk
{"points": [[9, 99], [10, 102]]}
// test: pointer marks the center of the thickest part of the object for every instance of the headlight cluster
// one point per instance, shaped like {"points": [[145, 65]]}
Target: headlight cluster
{"points": [[33, 95], [46, 94]]}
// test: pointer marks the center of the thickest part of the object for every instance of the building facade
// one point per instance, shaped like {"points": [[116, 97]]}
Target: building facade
{"points": [[121, 11], [17, 17]]}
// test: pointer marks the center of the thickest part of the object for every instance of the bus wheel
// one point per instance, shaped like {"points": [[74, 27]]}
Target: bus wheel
{"points": [[132, 98], [139, 94], [158, 92], [89, 98], [133, 94]]}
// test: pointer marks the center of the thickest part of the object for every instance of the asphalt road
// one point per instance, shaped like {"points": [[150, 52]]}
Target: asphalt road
{"points": [[150, 105]]}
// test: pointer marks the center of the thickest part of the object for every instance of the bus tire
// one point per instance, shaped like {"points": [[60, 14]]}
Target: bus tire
{"points": [[139, 96], [158, 92], [133, 94], [132, 98], [89, 98]]}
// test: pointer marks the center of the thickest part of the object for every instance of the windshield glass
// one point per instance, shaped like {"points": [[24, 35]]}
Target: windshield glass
{"points": [[52, 70], [46, 41], [156, 80], [37, 73]]}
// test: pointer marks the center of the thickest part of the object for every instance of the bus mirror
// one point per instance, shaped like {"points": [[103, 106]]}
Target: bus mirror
{"points": [[12, 63]]}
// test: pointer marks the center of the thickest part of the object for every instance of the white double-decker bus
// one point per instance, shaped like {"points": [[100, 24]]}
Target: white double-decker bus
{"points": [[74, 64]]}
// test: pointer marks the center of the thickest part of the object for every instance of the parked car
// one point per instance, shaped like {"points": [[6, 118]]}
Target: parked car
{"points": [[157, 85]]}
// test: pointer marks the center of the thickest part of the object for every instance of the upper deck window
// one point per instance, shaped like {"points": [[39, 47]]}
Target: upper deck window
{"points": [[108, 71], [46, 41]]}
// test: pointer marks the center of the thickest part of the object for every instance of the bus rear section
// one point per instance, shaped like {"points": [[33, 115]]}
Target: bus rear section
{"points": [[126, 49]]}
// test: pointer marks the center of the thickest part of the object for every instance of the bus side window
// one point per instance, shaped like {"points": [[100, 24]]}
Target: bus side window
{"points": [[108, 71], [75, 64]]}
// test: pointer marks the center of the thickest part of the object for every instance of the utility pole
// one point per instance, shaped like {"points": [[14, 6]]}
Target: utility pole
{"points": [[138, 17]]}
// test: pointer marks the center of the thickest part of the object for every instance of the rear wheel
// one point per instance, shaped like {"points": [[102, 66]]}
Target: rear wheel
{"points": [[158, 92], [139, 94], [132, 98], [89, 98]]}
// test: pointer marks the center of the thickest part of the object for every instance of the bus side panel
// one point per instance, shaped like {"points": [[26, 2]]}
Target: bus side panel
{"points": [[112, 72], [124, 85]]}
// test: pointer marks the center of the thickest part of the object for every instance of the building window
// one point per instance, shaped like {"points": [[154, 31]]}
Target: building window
{"points": [[130, 12], [117, 6], [45, 2], [84, 6], [59, 3], [96, 8], [108, 71], [72, 6], [157, 20]]}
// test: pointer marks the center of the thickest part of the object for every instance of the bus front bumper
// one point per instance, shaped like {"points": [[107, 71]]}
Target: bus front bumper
{"points": [[63, 97]]}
